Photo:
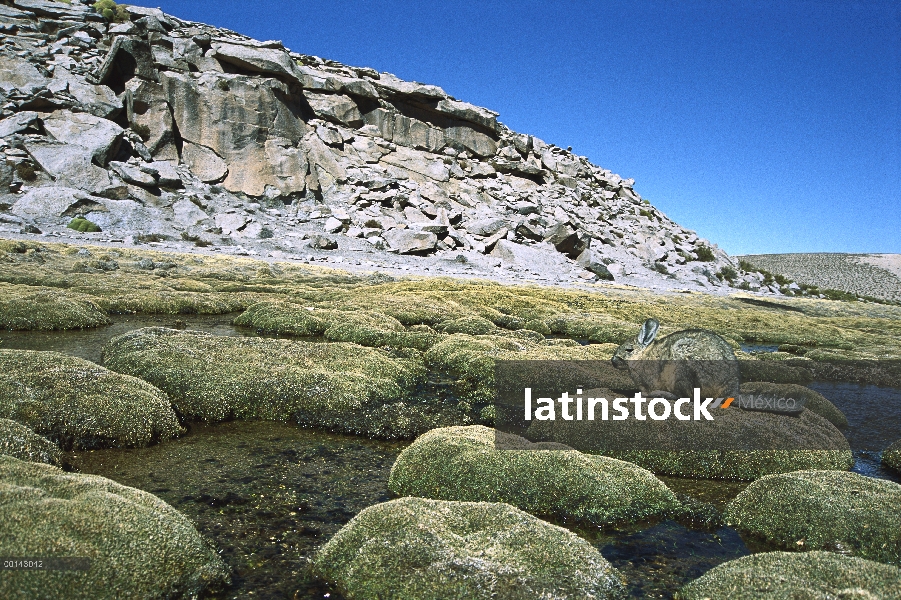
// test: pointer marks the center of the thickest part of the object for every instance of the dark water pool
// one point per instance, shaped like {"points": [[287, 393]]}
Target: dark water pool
{"points": [[751, 348], [89, 343], [268, 494]]}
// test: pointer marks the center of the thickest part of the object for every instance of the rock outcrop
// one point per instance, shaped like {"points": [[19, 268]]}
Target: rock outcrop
{"points": [[157, 128]]}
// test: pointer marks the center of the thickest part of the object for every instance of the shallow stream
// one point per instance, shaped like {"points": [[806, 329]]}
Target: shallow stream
{"points": [[267, 494]]}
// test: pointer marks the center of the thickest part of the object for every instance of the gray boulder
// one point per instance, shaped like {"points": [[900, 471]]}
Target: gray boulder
{"points": [[126, 58], [136, 545], [19, 74], [72, 166], [98, 100], [204, 162], [133, 174], [148, 112], [590, 261], [335, 107], [100, 137], [167, 176], [268, 61], [485, 227], [321, 242], [48, 204], [468, 112], [467, 138], [536, 258], [566, 240], [406, 241], [17, 123], [48, 8]]}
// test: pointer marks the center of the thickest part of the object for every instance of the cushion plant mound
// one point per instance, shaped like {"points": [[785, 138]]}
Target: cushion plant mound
{"points": [[814, 510], [469, 325], [215, 378], [83, 225], [780, 575], [815, 401], [470, 360], [25, 307], [891, 457], [366, 328], [81, 405], [20, 442], [418, 549], [303, 320], [138, 546], [463, 463]]}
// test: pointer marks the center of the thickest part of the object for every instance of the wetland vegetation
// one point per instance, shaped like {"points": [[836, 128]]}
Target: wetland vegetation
{"points": [[265, 405]]}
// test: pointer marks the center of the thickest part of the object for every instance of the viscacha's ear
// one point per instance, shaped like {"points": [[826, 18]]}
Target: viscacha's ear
{"points": [[648, 332]]}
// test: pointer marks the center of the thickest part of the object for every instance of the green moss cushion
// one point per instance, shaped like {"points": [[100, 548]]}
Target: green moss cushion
{"points": [[418, 549], [139, 546], [781, 575], [463, 463], [813, 510], [81, 405]]}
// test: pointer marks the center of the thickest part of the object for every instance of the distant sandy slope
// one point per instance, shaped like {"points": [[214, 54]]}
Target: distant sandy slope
{"points": [[889, 262], [877, 275]]}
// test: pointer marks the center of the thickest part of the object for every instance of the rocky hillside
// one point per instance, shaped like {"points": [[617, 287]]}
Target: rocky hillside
{"points": [[145, 128]]}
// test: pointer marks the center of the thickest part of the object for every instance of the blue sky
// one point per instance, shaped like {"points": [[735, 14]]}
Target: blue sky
{"points": [[766, 126]]}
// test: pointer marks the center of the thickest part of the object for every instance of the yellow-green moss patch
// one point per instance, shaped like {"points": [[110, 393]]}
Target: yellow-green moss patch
{"points": [[781, 575], [82, 405], [341, 386], [138, 546], [815, 510], [463, 463], [24, 307], [891, 457], [419, 549], [20, 442], [367, 328]]}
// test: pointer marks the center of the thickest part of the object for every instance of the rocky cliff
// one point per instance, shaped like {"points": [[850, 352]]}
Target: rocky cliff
{"points": [[170, 132]]}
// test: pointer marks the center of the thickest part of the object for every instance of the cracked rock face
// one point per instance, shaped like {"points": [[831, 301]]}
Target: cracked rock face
{"points": [[183, 131]]}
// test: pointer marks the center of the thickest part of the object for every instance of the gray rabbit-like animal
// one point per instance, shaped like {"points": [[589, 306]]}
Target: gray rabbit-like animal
{"points": [[680, 362]]}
